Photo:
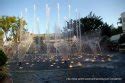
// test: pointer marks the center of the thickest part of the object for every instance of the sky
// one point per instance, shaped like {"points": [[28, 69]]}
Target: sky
{"points": [[109, 10]]}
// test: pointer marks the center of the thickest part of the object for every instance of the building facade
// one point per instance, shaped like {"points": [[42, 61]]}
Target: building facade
{"points": [[123, 21]]}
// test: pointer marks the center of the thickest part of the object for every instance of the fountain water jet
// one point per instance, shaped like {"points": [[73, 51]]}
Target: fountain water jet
{"points": [[80, 33], [47, 28], [34, 10]]}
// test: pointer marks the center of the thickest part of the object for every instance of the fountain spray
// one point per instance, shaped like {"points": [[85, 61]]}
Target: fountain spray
{"points": [[77, 23], [80, 34], [34, 18], [47, 27]]}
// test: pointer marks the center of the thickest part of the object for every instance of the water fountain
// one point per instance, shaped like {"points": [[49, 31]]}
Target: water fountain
{"points": [[76, 50], [72, 48]]}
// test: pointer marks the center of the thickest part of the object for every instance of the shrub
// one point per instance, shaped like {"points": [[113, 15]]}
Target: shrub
{"points": [[3, 58], [122, 39]]}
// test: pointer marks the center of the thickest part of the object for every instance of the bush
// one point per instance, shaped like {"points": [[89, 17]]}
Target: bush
{"points": [[3, 58], [122, 39]]}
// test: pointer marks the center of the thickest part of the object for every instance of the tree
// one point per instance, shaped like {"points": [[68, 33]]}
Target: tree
{"points": [[116, 31], [119, 21], [91, 23], [17, 27], [5, 23], [88, 24], [106, 30], [11, 24], [1, 32]]}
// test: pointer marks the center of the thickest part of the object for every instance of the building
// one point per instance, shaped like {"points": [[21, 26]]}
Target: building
{"points": [[123, 21]]}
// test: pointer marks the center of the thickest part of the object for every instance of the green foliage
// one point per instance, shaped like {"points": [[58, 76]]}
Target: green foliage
{"points": [[1, 32], [11, 24], [3, 58], [106, 30], [89, 24], [16, 27], [116, 31]]}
